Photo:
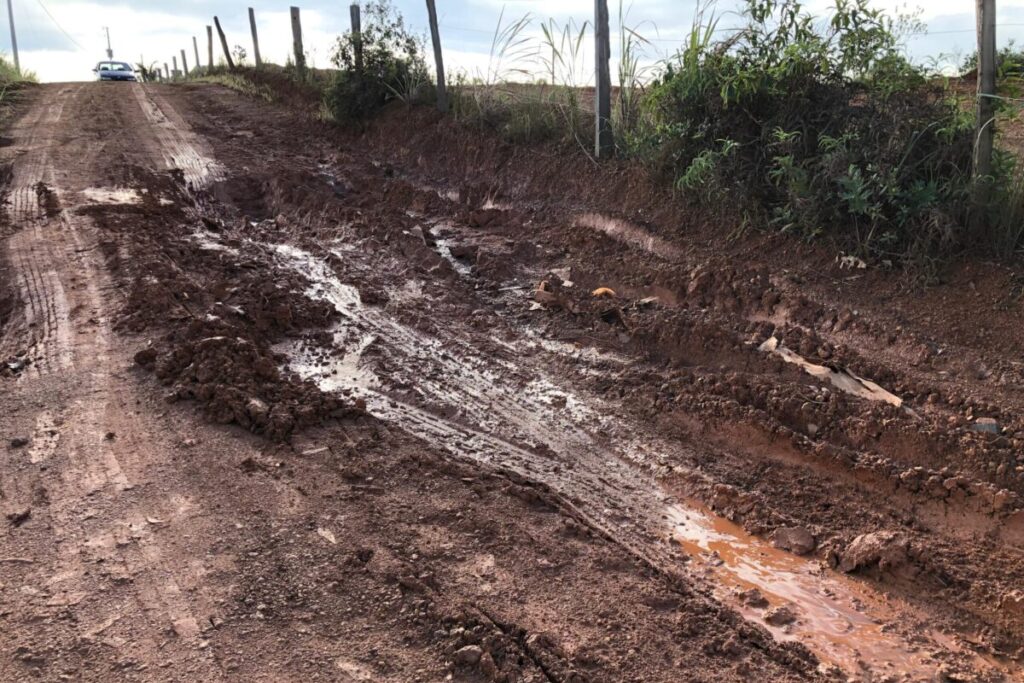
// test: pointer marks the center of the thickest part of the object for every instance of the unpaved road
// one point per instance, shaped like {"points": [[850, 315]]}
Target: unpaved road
{"points": [[280, 403]]}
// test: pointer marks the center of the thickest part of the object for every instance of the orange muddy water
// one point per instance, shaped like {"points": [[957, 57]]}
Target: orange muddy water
{"points": [[843, 621]]}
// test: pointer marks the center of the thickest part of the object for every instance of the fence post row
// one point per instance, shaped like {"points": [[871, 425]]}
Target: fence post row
{"points": [[442, 92], [604, 143], [224, 44], [300, 55], [255, 39], [357, 37]]}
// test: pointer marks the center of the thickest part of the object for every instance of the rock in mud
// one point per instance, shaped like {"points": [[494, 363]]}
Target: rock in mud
{"points": [[258, 411], [886, 549], [795, 539], [780, 616], [469, 655], [753, 598], [18, 442], [146, 357]]}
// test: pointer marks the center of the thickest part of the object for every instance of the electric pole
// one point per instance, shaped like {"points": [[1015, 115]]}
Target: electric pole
{"points": [[14, 36], [110, 52]]}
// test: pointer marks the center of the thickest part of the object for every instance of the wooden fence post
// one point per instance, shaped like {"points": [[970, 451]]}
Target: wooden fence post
{"points": [[195, 46], [442, 91], [255, 38], [209, 47], [184, 64], [174, 73], [300, 55], [986, 109], [224, 44], [167, 72], [357, 36], [604, 143]]}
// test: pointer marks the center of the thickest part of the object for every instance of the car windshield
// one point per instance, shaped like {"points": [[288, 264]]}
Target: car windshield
{"points": [[114, 66]]}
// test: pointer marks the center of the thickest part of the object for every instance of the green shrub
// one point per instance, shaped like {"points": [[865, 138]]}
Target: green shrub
{"points": [[818, 131], [393, 66]]}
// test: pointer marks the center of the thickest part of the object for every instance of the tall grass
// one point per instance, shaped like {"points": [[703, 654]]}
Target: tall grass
{"points": [[632, 75], [9, 75]]}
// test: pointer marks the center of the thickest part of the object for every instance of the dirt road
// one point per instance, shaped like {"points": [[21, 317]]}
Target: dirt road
{"points": [[282, 403]]}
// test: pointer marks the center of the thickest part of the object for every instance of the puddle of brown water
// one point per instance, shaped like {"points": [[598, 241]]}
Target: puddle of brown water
{"points": [[839, 619]]}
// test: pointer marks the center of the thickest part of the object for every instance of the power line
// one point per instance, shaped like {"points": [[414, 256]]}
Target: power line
{"points": [[57, 24]]}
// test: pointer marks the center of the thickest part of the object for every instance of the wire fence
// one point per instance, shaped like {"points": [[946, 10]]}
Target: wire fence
{"points": [[470, 48]]}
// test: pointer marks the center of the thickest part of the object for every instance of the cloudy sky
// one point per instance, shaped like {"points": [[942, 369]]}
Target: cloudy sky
{"points": [[62, 39]]}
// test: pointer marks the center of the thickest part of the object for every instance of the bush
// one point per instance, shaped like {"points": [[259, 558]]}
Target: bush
{"points": [[815, 131], [393, 66]]}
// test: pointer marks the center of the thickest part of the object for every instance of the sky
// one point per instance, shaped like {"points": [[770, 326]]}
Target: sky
{"points": [[61, 40]]}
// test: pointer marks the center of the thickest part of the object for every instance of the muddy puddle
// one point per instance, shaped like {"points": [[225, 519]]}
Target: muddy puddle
{"points": [[843, 621], [496, 404]]}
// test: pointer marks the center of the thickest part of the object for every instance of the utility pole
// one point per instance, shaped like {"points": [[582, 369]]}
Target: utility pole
{"points": [[110, 51], [604, 143], [986, 13], [442, 92], [14, 36], [255, 38]]}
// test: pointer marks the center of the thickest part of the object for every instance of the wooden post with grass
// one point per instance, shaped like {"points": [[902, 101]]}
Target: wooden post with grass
{"points": [[357, 36], [184, 64], [224, 44], [442, 91], [209, 47], [195, 46], [604, 142], [300, 54], [986, 10], [255, 38]]}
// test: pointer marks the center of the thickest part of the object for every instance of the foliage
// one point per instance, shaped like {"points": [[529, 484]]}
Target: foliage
{"points": [[10, 76], [816, 129], [149, 72], [529, 113], [239, 55], [393, 66]]}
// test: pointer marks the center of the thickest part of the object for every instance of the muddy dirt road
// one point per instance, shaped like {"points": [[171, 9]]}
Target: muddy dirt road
{"points": [[281, 403]]}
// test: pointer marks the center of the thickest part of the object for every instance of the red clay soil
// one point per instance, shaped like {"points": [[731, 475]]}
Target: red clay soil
{"points": [[281, 402]]}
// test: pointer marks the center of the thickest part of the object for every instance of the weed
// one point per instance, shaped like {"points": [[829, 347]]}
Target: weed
{"points": [[815, 129], [392, 66]]}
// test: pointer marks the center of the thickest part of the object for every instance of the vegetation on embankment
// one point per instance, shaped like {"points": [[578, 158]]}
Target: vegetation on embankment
{"points": [[819, 129]]}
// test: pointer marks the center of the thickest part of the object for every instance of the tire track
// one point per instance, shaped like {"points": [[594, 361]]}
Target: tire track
{"points": [[180, 148]]}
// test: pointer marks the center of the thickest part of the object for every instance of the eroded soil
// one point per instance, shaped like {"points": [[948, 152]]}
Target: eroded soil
{"points": [[284, 403]]}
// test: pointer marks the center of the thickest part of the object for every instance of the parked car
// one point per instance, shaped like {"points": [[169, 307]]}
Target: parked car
{"points": [[114, 71]]}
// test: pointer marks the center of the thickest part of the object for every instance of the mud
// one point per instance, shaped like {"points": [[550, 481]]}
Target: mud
{"points": [[378, 407]]}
